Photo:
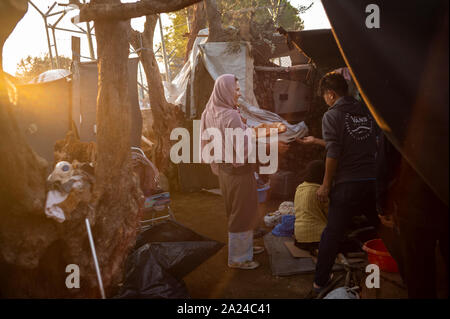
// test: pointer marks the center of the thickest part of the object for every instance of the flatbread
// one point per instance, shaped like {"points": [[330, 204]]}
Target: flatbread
{"points": [[278, 125]]}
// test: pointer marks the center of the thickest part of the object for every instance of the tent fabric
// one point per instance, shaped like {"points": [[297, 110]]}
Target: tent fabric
{"points": [[84, 110], [218, 60], [401, 70], [176, 91], [43, 114], [319, 45]]}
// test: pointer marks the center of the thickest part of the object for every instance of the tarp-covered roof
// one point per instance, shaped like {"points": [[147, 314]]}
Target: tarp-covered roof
{"points": [[318, 45]]}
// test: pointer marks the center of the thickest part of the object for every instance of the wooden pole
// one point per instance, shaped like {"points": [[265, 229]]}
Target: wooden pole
{"points": [[75, 49], [166, 62]]}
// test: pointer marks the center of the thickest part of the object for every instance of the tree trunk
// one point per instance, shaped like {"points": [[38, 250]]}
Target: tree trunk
{"points": [[22, 172], [25, 232], [166, 116], [198, 23], [116, 191], [216, 31], [35, 250]]}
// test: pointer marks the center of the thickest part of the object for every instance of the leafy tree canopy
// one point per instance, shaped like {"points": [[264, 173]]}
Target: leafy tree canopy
{"points": [[176, 39], [261, 12], [30, 67]]}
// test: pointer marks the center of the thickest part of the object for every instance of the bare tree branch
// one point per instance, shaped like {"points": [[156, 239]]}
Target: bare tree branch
{"points": [[127, 11], [166, 116]]}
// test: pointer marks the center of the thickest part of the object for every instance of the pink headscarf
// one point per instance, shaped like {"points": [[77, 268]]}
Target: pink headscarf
{"points": [[221, 112]]}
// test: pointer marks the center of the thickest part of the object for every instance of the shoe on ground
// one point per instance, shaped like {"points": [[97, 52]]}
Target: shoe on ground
{"points": [[315, 291], [247, 265], [258, 250]]}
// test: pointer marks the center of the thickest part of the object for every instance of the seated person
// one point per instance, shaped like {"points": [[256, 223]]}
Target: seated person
{"points": [[310, 213]]}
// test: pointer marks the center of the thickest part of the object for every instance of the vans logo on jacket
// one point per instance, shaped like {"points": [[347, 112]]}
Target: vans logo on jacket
{"points": [[358, 127], [349, 132]]}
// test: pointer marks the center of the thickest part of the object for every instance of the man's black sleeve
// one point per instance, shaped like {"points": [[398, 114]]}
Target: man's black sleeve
{"points": [[330, 132]]}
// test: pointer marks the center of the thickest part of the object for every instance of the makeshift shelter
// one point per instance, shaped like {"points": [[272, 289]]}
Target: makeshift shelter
{"points": [[43, 113], [193, 85], [84, 100], [318, 45], [219, 58], [57, 101]]}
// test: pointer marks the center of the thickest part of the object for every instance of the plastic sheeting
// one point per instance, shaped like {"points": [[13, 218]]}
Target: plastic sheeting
{"points": [[256, 116], [50, 75], [176, 91], [219, 58], [165, 253], [342, 293]]}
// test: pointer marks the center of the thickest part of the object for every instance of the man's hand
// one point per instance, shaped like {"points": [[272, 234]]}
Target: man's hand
{"points": [[322, 193], [307, 140]]}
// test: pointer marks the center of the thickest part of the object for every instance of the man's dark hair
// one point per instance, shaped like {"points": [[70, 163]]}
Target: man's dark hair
{"points": [[333, 81], [314, 172]]}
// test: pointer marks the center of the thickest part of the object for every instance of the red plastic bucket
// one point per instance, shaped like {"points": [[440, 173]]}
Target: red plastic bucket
{"points": [[378, 254]]}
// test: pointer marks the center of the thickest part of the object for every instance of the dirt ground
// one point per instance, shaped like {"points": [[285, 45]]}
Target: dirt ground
{"points": [[205, 214]]}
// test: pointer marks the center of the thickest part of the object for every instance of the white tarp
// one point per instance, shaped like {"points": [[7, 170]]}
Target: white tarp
{"points": [[218, 59], [176, 90], [50, 75]]}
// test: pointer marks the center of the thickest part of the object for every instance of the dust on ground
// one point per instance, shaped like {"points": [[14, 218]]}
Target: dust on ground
{"points": [[205, 214]]}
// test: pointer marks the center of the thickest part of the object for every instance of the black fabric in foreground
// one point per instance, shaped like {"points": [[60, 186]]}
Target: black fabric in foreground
{"points": [[164, 254]]}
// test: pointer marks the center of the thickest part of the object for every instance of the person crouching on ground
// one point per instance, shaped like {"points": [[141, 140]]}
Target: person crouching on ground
{"points": [[310, 213], [237, 180], [349, 133]]}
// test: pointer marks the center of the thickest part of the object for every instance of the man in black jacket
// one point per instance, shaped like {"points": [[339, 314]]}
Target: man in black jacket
{"points": [[349, 136]]}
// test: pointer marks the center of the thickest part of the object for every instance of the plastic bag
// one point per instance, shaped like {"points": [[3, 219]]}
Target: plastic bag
{"points": [[343, 293], [147, 172], [165, 253]]}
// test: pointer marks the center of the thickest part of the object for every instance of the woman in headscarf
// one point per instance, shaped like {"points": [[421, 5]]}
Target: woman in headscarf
{"points": [[237, 180]]}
